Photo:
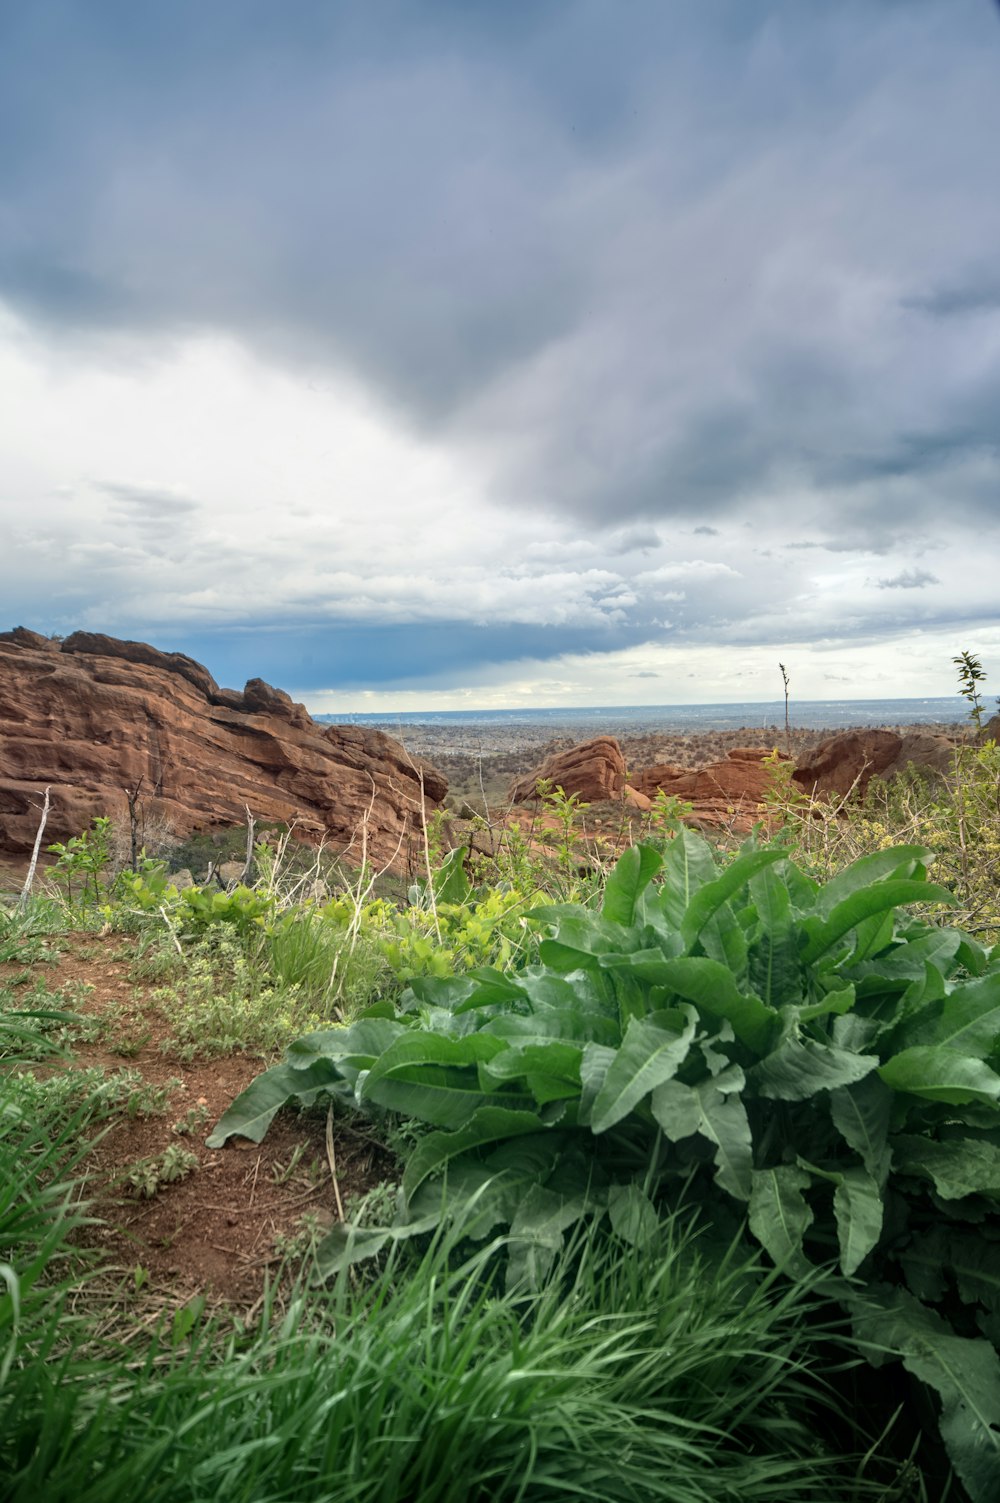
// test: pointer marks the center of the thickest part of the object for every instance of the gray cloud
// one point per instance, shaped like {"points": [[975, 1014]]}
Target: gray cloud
{"points": [[909, 579], [488, 213], [976, 294], [724, 271]]}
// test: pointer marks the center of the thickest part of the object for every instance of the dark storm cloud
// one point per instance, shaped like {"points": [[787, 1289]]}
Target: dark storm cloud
{"points": [[651, 262], [382, 657]]}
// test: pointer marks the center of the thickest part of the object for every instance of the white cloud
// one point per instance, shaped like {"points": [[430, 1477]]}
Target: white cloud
{"points": [[915, 665]]}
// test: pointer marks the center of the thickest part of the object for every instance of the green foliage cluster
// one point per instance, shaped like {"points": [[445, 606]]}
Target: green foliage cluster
{"points": [[736, 1035], [346, 947], [709, 1126], [690, 1378]]}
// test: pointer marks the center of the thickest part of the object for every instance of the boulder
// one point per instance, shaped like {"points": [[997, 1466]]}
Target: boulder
{"points": [[741, 781], [92, 716], [847, 761], [640, 801], [594, 770], [927, 750]]}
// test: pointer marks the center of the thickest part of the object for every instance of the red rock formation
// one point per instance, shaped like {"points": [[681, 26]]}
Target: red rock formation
{"points": [[595, 770], [847, 761], [90, 716], [732, 792], [926, 750]]}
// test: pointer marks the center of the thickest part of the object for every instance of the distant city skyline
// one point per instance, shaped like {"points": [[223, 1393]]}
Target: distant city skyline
{"points": [[445, 356]]}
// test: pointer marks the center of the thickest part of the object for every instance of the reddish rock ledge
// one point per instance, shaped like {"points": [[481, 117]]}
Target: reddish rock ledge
{"points": [[90, 716]]}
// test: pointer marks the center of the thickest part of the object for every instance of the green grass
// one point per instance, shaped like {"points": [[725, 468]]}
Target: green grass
{"points": [[675, 1379], [673, 1373]]}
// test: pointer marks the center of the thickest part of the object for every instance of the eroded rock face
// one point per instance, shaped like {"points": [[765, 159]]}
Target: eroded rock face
{"points": [[595, 770], [731, 792], [91, 716], [927, 750], [847, 761]]}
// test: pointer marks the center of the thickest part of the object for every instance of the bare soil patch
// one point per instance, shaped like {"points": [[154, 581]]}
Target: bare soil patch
{"points": [[230, 1223]]}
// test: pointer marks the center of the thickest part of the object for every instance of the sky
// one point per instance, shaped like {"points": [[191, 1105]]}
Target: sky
{"points": [[418, 354]]}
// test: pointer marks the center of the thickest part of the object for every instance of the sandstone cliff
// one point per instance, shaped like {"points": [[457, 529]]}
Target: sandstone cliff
{"points": [[91, 716]]}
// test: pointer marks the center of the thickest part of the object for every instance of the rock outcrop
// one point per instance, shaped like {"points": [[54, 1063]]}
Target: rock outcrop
{"points": [[734, 791], [91, 716], [731, 792], [594, 770], [847, 762], [928, 751]]}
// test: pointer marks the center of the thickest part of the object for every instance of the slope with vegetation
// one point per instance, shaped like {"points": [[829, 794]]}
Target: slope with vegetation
{"points": [[690, 1168]]}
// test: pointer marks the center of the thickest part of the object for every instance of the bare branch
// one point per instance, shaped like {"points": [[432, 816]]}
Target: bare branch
{"points": [[26, 889]]}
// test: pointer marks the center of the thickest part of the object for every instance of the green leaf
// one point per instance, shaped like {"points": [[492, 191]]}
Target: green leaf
{"points": [[861, 1114], [634, 870], [346, 1244], [862, 905], [536, 1233], [857, 1204], [712, 1109], [254, 1109], [780, 1215], [835, 1002], [574, 1025], [799, 1068], [448, 992], [908, 961], [687, 865], [490, 1124], [873, 935], [967, 1020], [896, 861], [774, 968], [710, 986], [963, 1371], [451, 884], [633, 1216], [722, 939], [579, 929], [551, 1070], [712, 896], [427, 1075], [651, 1052], [360, 1043], [958, 1167], [941, 1075], [973, 1261], [595, 1063]]}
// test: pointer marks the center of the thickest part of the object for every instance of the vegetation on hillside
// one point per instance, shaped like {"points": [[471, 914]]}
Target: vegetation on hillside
{"points": [[698, 1170]]}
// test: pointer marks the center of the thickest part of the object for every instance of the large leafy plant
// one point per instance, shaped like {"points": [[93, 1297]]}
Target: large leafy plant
{"points": [[805, 1055]]}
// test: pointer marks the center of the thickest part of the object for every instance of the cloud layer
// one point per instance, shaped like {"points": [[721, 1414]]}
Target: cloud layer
{"points": [[526, 334]]}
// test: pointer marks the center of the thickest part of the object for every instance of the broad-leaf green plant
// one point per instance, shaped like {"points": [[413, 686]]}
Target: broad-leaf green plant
{"points": [[807, 1056]]}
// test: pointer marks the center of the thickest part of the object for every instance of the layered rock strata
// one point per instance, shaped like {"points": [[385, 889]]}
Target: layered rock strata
{"points": [[92, 716]]}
